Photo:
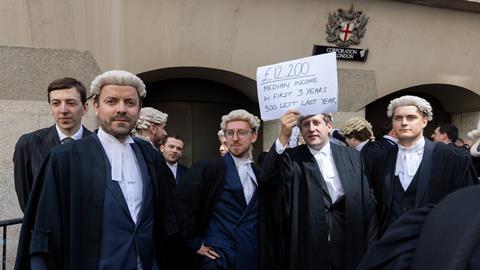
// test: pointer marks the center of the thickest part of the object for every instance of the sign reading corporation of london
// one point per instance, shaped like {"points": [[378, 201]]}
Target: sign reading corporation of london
{"points": [[345, 28]]}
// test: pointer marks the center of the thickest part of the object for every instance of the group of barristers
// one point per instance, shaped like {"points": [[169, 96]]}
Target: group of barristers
{"points": [[110, 200]]}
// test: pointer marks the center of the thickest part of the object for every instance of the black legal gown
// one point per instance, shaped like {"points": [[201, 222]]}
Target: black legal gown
{"points": [[441, 237], [298, 234], [66, 206], [444, 169]]}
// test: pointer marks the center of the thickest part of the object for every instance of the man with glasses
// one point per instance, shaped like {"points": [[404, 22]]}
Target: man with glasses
{"points": [[217, 202], [322, 214]]}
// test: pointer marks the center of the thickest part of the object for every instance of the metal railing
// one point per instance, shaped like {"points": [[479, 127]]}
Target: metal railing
{"points": [[5, 224]]}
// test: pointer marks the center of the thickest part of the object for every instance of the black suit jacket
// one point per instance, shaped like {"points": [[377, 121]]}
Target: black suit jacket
{"points": [[370, 151], [63, 219], [196, 198], [30, 152], [181, 171], [298, 230], [442, 237], [443, 169], [386, 143]]}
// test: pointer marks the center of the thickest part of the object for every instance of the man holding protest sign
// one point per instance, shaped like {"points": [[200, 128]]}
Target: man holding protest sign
{"points": [[323, 214]]}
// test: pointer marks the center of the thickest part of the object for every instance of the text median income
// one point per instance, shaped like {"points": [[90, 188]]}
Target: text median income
{"points": [[288, 79]]}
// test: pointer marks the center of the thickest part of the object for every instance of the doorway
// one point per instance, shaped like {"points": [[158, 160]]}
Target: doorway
{"points": [[195, 103], [376, 112]]}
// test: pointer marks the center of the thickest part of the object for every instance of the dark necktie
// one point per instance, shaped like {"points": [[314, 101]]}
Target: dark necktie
{"points": [[67, 140]]}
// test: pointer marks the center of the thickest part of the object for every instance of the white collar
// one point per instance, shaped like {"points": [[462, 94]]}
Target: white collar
{"points": [[175, 165], [147, 139], [76, 136], [409, 159], [240, 161], [361, 145], [325, 163], [115, 152], [325, 149], [393, 139], [108, 138], [417, 146]]}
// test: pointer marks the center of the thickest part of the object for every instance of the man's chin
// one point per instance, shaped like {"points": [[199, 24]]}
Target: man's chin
{"points": [[406, 137], [238, 154], [316, 144], [120, 132], [66, 126], [313, 142]]}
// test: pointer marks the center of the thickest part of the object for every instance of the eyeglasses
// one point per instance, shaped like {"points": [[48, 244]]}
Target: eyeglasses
{"points": [[240, 133]]}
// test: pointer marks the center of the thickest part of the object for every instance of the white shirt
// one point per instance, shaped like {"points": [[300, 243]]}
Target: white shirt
{"points": [[77, 136], [361, 145], [246, 175], [147, 139], [327, 167], [173, 168], [293, 141], [125, 170], [408, 161], [395, 140]]}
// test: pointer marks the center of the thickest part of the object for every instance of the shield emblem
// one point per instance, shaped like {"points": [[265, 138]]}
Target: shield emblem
{"points": [[347, 31]]}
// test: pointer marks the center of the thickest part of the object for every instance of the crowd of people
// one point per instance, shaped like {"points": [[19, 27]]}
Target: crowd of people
{"points": [[118, 198]]}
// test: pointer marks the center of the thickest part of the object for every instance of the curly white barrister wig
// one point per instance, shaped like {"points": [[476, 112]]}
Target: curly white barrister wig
{"points": [[221, 135], [357, 124], [423, 106], [241, 115], [149, 116], [327, 117], [474, 135], [117, 77]]}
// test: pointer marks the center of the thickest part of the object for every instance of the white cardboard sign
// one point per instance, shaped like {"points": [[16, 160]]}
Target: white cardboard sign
{"points": [[307, 84]]}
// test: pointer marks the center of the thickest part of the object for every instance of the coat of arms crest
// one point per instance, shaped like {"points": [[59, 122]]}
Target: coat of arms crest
{"points": [[346, 27]]}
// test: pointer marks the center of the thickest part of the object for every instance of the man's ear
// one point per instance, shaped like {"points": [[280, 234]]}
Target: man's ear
{"points": [[254, 137], [85, 108], [95, 107], [152, 128]]}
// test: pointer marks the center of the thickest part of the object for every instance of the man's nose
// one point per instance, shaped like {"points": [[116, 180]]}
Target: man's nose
{"points": [[63, 108], [311, 127], [121, 107]]}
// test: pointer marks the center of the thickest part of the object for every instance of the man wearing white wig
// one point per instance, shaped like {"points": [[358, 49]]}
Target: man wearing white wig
{"points": [[151, 126], [322, 210], [358, 135], [217, 203], [101, 202], [419, 171]]}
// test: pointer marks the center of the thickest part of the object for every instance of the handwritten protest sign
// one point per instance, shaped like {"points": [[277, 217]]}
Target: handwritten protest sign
{"points": [[307, 84]]}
